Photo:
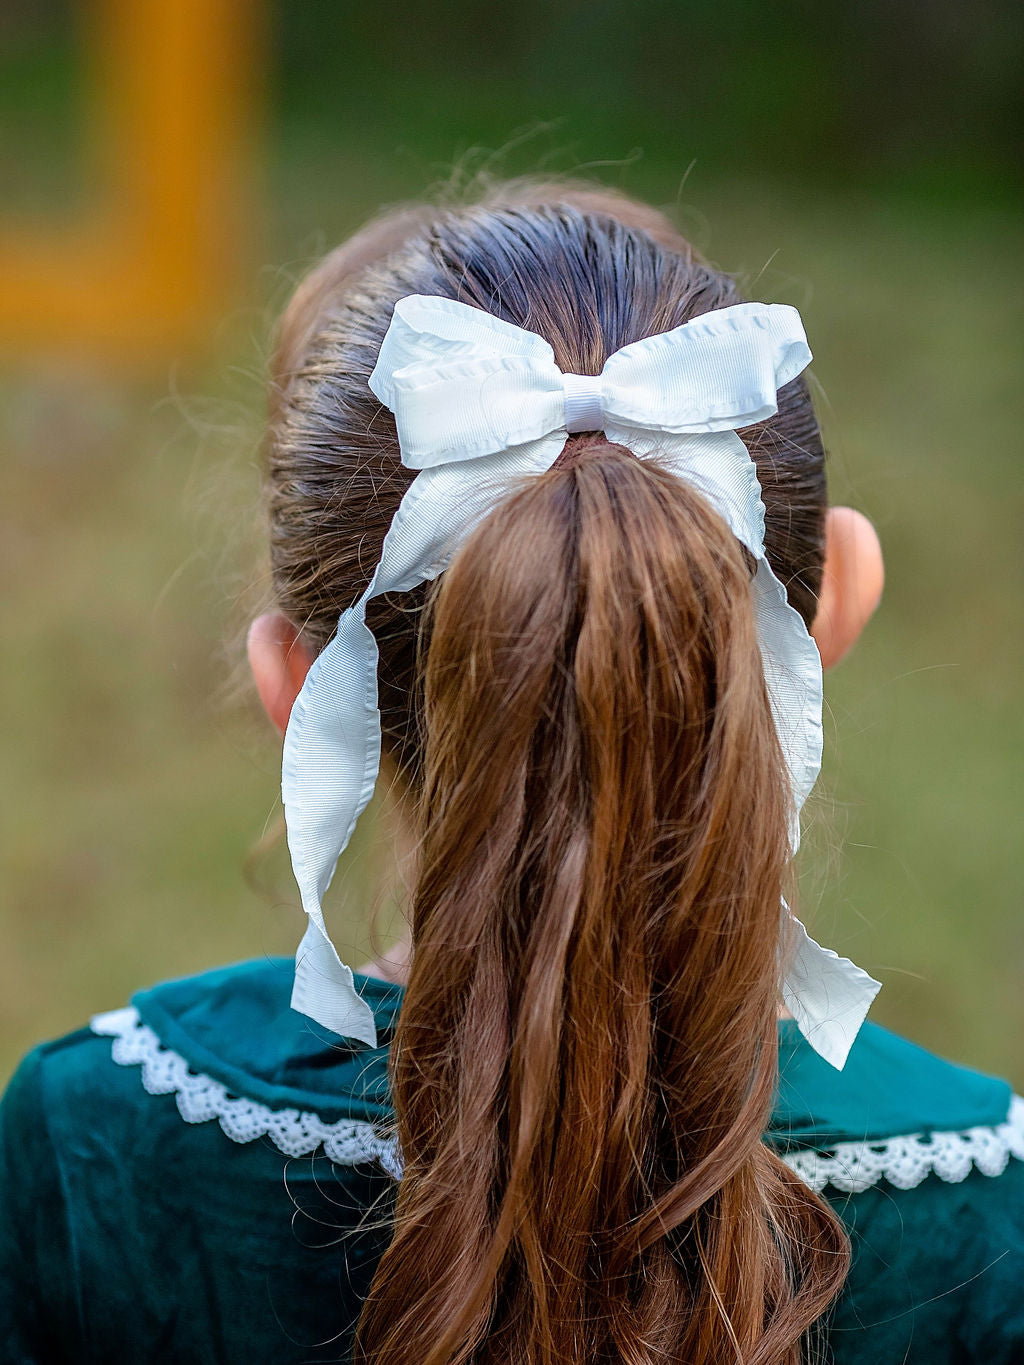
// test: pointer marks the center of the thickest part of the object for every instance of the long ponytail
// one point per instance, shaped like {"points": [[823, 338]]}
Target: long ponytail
{"points": [[586, 1056], [586, 1053]]}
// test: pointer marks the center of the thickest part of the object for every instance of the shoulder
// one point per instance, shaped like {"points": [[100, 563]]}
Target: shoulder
{"points": [[64, 1096], [149, 1131], [890, 1089], [226, 1050], [923, 1160], [936, 1269], [38, 1294], [236, 1025]]}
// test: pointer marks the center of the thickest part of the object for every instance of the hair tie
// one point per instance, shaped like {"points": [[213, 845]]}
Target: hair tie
{"points": [[478, 404]]}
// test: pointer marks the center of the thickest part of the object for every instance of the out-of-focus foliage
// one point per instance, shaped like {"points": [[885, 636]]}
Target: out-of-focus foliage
{"points": [[928, 91], [857, 161], [41, 94]]}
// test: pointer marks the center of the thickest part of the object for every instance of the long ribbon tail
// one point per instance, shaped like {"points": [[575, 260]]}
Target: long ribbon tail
{"points": [[333, 741], [331, 756]]}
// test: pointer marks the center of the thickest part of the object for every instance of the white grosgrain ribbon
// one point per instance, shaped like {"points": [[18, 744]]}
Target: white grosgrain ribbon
{"points": [[480, 404]]}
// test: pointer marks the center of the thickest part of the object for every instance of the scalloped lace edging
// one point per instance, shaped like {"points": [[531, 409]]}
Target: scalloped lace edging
{"points": [[905, 1161], [295, 1132], [849, 1166]]}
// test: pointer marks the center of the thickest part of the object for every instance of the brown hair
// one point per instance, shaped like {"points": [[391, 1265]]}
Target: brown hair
{"points": [[586, 1056]]}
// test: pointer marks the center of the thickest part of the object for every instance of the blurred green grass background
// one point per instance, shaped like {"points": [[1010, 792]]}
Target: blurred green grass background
{"points": [[138, 778]]}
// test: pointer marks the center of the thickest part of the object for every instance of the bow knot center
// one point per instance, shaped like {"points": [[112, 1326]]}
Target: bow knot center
{"points": [[584, 410]]}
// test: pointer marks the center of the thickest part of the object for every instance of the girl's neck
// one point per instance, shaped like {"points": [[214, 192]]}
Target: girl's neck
{"points": [[392, 965]]}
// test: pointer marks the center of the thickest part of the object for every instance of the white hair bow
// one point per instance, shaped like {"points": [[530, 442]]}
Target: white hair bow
{"points": [[478, 404]]}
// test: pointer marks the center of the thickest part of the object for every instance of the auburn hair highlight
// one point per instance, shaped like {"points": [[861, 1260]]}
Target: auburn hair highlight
{"points": [[585, 1060]]}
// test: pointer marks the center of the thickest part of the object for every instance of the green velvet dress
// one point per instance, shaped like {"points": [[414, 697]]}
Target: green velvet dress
{"points": [[203, 1177]]}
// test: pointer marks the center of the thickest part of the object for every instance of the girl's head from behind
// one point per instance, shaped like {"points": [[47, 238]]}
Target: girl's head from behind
{"points": [[585, 1059]]}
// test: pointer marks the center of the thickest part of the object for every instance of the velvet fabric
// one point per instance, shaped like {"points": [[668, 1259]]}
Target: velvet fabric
{"points": [[127, 1234]]}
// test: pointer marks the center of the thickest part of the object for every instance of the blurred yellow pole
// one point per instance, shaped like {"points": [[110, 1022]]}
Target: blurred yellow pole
{"points": [[174, 84]]}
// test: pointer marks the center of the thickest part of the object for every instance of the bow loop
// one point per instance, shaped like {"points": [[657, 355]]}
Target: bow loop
{"points": [[718, 372], [463, 384]]}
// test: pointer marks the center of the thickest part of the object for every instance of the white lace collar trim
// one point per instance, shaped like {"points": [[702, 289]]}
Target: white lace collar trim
{"points": [[849, 1166], [905, 1161], [295, 1132]]}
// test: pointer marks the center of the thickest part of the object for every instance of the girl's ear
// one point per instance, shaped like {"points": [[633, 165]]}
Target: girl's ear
{"points": [[279, 662], [851, 585]]}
